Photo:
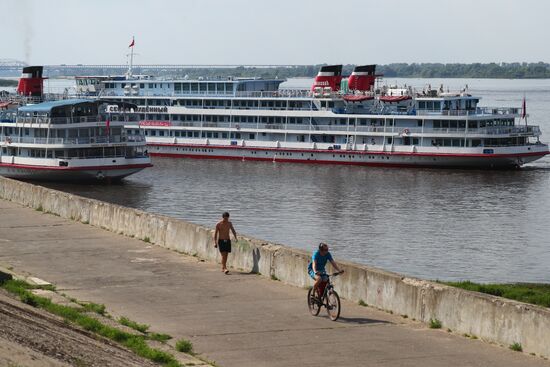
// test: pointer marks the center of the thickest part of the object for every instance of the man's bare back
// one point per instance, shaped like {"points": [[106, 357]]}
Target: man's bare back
{"points": [[223, 227]]}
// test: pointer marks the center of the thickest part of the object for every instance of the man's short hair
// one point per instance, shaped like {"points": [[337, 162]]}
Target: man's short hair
{"points": [[322, 245], [225, 215]]}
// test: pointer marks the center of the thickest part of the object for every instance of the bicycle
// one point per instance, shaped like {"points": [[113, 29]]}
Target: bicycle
{"points": [[329, 299]]}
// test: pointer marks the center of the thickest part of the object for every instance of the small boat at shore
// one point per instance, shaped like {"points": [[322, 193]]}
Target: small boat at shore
{"points": [[71, 140]]}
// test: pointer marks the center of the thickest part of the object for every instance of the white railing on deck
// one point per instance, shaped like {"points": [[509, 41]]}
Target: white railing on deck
{"points": [[74, 141], [492, 130]]}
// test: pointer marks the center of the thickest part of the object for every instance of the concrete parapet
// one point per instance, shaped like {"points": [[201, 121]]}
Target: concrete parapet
{"points": [[490, 318]]}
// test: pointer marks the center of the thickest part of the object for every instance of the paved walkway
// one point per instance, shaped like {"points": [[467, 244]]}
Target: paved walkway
{"points": [[235, 320]]}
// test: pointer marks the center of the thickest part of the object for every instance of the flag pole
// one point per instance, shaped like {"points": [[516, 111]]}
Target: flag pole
{"points": [[524, 110], [132, 57]]}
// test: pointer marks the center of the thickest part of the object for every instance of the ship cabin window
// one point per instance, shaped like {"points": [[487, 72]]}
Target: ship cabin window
{"points": [[429, 105], [390, 140], [251, 136], [194, 88]]}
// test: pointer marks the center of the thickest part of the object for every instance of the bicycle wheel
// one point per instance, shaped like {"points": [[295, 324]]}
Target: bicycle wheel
{"points": [[333, 305], [313, 306]]}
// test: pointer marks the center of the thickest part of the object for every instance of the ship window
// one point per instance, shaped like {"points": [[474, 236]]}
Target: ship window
{"points": [[390, 140], [203, 87], [472, 124], [437, 105], [251, 136], [453, 124], [194, 89], [421, 105]]}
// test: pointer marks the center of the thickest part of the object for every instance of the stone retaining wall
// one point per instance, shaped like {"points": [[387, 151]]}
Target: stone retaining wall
{"points": [[490, 318]]}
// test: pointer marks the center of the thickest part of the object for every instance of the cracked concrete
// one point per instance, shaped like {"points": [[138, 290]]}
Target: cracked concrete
{"points": [[236, 320]]}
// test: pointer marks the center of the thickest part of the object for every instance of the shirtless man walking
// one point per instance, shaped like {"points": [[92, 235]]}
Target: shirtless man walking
{"points": [[222, 239]]}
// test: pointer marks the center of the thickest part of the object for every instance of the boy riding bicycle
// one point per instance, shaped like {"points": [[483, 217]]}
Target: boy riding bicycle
{"points": [[316, 268]]}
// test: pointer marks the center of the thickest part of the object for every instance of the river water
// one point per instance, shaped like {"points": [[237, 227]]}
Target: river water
{"points": [[487, 226]]}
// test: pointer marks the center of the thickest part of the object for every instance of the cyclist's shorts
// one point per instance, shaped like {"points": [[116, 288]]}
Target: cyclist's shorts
{"points": [[312, 275]]}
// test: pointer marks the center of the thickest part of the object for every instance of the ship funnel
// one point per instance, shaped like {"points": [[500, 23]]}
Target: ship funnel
{"points": [[362, 79], [328, 77], [31, 82]]}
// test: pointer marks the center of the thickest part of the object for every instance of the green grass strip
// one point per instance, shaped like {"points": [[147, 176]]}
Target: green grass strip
{"points": [[142, 328], [536, 294], [136, 343]]}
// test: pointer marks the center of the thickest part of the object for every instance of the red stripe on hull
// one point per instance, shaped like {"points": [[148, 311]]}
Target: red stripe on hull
{"points": [[90, 168], [451, 155]]}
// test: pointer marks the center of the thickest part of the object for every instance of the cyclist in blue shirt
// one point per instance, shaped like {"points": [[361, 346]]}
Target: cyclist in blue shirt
{"points": [[316, 267]]}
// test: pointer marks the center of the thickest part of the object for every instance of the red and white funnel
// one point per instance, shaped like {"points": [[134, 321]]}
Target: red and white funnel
{"points": [[362, 79], [328, 76], [31, 82]]}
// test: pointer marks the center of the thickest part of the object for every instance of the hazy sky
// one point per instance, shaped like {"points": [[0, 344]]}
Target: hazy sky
{"points": [[275, 32]]}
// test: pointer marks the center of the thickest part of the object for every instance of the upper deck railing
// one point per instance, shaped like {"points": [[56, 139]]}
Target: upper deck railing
{"points": [[106, 139], [530, 130], [76, 120]]}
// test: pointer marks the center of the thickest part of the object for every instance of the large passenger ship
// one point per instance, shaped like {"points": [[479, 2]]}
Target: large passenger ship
{"points": [[73, 139], [354, 120]]}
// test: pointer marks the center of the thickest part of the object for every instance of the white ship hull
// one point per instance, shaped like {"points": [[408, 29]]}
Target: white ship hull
{"points": [[82, 170], [87, 175], [473, 159]]}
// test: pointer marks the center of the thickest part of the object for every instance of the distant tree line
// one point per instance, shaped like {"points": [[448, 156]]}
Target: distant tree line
{"points": [[8, 83], [515, 70], [424, 70]]}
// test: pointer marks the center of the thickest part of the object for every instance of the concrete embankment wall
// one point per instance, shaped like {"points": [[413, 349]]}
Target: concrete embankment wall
{"points": [[490, 318]]}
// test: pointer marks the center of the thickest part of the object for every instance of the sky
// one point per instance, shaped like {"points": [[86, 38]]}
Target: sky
{"points": [[275, 32]]}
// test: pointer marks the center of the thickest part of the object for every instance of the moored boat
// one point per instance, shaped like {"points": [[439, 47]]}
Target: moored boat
{"points": [[73, 139]]}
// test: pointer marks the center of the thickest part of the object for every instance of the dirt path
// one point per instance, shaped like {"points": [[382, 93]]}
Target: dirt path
{"points": [[32, 337]]}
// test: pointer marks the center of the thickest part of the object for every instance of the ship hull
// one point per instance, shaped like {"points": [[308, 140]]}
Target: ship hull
{"points": [[91, 174], [343, 157]]}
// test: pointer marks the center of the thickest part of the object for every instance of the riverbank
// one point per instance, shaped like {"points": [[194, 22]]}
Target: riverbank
{"points": [[491, 318], [241, 319], [536, 294]]}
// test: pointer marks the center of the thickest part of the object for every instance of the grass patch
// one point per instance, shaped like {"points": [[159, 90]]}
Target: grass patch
{"points": [[274, 277], [94, 307], [85, 222], [142, 328], [159, 337], [185, 346], [146, 239], [536, 294], [136, 343], [362, 303], [516, 347], [435, 324], [40, 208]]}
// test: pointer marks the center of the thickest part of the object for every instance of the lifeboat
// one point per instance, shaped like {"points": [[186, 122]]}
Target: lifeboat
{"points": [[394, 99], [357, 98]]}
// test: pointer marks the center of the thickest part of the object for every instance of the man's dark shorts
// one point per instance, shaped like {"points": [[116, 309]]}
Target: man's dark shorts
{"points": [[224, 245]]}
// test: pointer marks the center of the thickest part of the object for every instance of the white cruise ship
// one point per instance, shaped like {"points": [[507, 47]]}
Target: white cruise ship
{"points": [[339, 120], [73, 139]]}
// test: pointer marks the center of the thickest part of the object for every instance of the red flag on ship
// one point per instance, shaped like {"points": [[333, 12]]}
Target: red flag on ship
{"points": [[133, 42], [523, 109], [108, 126]]}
